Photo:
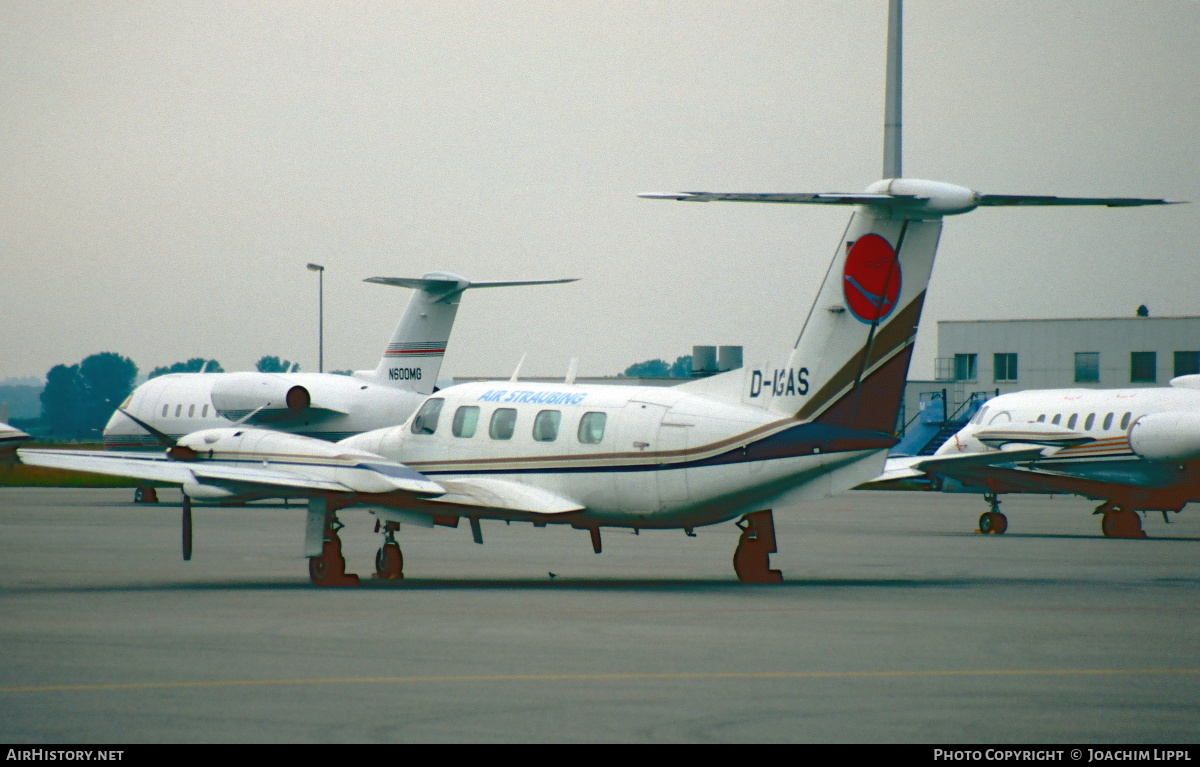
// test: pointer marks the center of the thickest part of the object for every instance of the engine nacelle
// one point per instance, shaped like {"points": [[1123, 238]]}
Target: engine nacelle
{"points": [[234, 395], [1166, 436], [206, 492]]}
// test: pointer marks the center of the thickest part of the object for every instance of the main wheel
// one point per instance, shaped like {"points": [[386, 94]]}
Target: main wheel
{"points": [[389, 562], [1122, 524], [145, 495], [993, 522]]}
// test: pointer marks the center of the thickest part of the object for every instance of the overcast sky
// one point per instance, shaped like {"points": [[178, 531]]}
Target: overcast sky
{"points": [[169, 168]]}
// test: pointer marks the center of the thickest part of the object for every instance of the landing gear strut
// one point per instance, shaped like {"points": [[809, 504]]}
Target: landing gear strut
{"points": [[389, 562], [752, 558], [329, 567], [993, 521], [1119, 522]]}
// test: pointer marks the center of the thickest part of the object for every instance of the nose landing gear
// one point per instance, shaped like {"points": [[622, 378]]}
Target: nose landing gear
{"points": [[389, 562], [993, 521], [752, 558]]}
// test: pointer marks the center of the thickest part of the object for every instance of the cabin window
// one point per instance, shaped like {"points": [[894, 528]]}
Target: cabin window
{"points": [[1108, 421], [545, 426], [504, 423], [1125, 420], [1057, 417], [1041, 418], [204, 412], [591, 428], [1071, 421], [164, 415], [191, 411], [426, 420], [1087, 367], [178, 409], [1091, 420], [1143, 367], [1005, 366], [466, 419]]}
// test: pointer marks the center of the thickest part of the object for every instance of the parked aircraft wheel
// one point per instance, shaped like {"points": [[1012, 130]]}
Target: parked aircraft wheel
{"points": [[389, 562], [1122, 523], [145, 495], [329, 569], [993, 522]]}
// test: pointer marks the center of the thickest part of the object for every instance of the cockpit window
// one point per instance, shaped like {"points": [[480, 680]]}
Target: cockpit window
{"points": [[466, 419], [426, 420], [591, 428], [979, 417], [545, 426], [504, 422]]}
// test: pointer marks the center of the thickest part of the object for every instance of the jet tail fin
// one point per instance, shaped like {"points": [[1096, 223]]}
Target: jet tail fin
{"points": [[413, 357]]}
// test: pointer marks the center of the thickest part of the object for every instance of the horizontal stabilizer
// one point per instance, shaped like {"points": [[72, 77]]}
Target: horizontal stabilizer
{"points": [[809, 198], [444, 285], [1034, 200]]}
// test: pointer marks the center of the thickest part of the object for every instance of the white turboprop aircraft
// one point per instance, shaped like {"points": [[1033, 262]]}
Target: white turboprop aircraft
{"points": [[814, 424], [321, 405], [1133, 449]]}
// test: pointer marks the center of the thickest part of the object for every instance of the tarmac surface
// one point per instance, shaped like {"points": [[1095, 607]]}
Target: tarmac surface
{"points": [[896, 623]]}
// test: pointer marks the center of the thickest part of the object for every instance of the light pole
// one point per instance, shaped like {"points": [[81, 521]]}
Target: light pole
{"points": [[320, 270]]}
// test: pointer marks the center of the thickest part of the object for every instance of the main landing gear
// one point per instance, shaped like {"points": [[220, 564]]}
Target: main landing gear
{"points": [[329, 567], [389, 562], [145, 495], [993, 521], [1119, 522], [752, 558]]}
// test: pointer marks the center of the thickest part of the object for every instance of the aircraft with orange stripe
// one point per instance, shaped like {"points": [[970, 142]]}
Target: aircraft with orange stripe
{"points": [[815, 422], [1133, 449]]}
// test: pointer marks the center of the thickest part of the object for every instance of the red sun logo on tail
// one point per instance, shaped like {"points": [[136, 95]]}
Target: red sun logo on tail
{"points": [[871, 279]]}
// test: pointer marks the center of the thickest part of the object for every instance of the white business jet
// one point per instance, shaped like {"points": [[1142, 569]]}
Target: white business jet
{"points": [[320, 405], [1133, 449], [815, 423]]}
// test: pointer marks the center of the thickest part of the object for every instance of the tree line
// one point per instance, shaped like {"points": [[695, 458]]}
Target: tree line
{"points": [[78, 399]]}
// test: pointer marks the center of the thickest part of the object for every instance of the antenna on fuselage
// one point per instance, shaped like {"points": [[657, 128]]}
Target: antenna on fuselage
{"points": [[517, 372], [891, 106]]}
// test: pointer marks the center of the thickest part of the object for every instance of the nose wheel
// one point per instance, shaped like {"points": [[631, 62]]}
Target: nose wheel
{"points": [[993, 521], [389, 562], [752, 558]]}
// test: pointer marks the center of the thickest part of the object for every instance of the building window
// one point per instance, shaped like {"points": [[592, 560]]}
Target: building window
{"points": [[545, 426], [466, 418], [1187, 363], [504, 422], [1005, 366], [1143, 367], [964, 367], [426, 420], [1087, 367]]}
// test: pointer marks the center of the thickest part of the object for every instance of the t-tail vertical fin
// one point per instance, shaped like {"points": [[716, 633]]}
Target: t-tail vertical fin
{"points": [[413, 357]]}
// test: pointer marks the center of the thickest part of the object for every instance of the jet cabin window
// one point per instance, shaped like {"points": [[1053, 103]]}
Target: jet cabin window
{"points": [[504, 423], [178, 409], [165, 410], [1057, 417], [1108, 421], [545, 426], [1091, 420], [1125, 420], [466, 419], [426, 420], [1071, 421], [591, 428], [191, 410]]}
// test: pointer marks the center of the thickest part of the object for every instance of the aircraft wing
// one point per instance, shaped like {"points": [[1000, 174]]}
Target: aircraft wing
{"points": [[918, 472], [10, 437], [163, 469]]}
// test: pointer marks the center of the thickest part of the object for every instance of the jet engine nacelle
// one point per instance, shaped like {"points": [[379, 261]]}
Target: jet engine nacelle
{"points": [[1166, 436], [235, 395]]}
